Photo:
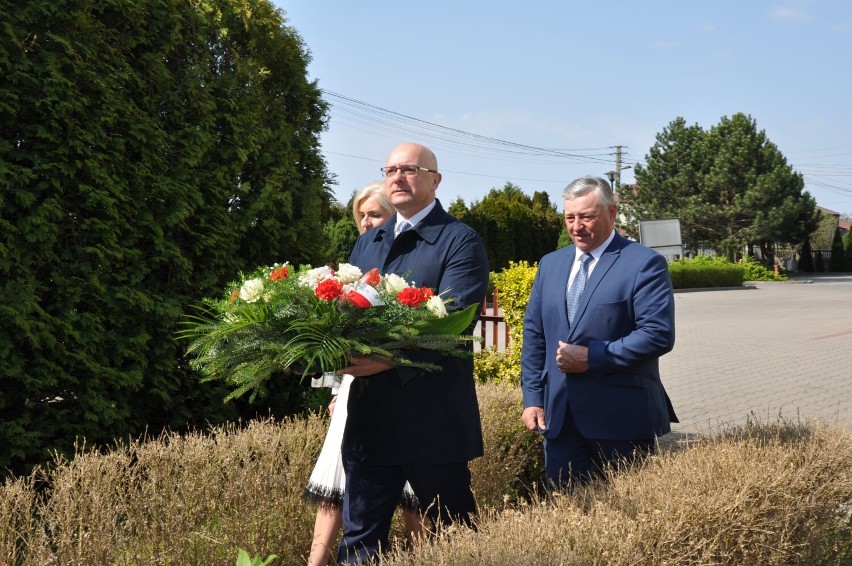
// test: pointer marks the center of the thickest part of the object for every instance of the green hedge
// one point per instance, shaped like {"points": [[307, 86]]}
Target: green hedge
{"points": [[705, 272]]}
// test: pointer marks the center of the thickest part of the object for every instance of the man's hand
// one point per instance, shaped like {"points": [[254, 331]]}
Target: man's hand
{"points": [[533, 417], [571, 358], [331, 405], [363, 367]]}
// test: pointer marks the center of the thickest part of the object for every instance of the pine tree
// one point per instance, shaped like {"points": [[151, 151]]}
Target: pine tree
{"points": [[728, 186]]}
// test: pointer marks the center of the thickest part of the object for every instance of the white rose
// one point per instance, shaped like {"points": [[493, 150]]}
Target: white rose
{"points": [[251, 290], [436, 306], [393, 283], [348, 273]]}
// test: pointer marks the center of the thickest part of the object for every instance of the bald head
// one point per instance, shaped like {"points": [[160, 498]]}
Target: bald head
{"points": [[411, 194]]}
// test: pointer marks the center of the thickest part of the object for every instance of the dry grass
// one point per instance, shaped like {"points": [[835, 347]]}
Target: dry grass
{"points": [[760, 494], [191, 499], [514, 459]]}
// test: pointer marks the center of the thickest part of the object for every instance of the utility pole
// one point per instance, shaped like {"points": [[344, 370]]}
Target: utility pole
{"points": [[617, 167], [615, 175]]}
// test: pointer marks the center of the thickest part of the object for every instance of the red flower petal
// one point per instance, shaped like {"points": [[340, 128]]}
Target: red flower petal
{"points": [[329, 289]]}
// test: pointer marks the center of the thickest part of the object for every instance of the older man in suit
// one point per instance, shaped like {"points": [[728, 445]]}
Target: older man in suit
{"points": [[600, 315], [404, 423]]}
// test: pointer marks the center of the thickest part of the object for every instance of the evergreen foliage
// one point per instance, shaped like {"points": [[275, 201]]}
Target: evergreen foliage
{"points": [[822, 235], [729, 186], [847, 250], [564, 239], [514, 226], [806, 257], [706, 272], [149, 150], [458, 208], [837, 262], [819, 266]]}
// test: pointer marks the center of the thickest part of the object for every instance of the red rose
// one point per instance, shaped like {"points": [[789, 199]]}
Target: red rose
{"points": [[412, 297], [329, 289], [279, 273]]}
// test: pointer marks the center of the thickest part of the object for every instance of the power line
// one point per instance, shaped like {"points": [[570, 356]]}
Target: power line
{"points": [[375, 120], [370, 118]]}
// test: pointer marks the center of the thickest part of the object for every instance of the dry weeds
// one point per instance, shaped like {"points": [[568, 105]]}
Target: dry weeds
{"points": [[759, 494]]}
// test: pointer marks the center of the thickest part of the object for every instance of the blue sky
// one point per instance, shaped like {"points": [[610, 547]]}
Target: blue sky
{"points": [[538, 93]]}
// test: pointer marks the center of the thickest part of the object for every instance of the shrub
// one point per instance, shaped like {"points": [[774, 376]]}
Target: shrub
{"points": [[819, 266], [514, 285], [755, 271], [490, 365], [806, 257], [847, 250], [753, 495], [193, 499], [149, 150], [705, 271], [199, 498], [513, 464], [837, 262]]}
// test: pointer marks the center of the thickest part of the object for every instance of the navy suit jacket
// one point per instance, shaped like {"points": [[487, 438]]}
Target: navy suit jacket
{"points": [[409, 416], [626, 319]]}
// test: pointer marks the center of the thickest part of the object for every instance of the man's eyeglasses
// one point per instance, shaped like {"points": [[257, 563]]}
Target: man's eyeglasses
{"points": [[406, 170]]}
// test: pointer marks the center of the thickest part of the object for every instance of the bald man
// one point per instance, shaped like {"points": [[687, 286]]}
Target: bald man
{"points": [[407, 424]]}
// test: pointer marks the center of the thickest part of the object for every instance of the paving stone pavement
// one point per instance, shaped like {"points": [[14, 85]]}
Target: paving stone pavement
{"points": [[769, 350]]}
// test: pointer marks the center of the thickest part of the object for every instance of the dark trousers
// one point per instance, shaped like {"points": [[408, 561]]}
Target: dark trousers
{"points": [[571, 457], [372, 494]]}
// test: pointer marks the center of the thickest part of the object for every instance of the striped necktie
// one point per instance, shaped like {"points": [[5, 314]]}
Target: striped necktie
{"points": [[575, 291], [401, 227]]}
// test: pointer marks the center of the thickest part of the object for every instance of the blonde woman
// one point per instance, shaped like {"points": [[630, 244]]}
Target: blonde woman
{"points": [[370, 208]]}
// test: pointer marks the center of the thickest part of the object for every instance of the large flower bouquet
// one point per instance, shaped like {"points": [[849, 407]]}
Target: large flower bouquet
{"points": [[314, 320]]}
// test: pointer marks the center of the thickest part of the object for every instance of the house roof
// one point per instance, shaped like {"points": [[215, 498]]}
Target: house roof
{"points": [[827, 211]]}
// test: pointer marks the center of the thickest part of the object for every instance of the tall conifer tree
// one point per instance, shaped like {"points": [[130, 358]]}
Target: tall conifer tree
{"points": [[149, 150]]}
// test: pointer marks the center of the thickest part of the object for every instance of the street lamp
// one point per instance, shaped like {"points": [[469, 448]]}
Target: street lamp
{"points": [[615, 176]]}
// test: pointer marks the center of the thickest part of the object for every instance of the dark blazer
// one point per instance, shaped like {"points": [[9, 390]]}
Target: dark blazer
{"points": [[626, 319], [407, 416]]}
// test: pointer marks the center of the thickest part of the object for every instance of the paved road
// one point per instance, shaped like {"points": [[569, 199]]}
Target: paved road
{"points": [[769, 350]]}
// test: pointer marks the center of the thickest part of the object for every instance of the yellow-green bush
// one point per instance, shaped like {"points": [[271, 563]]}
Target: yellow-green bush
{"points": [[514, 285], [755, 271]]}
